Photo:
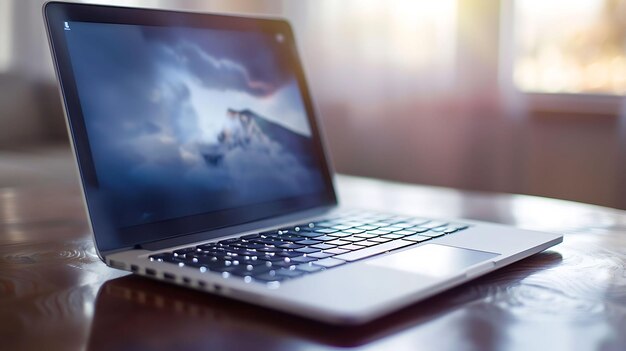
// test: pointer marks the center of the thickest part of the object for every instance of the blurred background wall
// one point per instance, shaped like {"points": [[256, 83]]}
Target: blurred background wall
{"points": [[518, 96]]}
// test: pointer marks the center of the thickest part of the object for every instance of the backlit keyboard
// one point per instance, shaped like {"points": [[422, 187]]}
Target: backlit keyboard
{"points": [[292, 252]]}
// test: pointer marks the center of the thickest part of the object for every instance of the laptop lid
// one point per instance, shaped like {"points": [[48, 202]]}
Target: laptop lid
{"points": [[185, 122]]}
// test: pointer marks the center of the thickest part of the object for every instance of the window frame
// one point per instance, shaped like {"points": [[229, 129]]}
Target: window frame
{"points": [[578, 103]]}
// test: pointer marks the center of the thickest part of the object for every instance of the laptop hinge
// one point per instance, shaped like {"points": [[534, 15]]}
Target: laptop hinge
{"points": [[226, 231]]}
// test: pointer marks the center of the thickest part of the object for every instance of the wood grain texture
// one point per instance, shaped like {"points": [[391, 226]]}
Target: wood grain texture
{"points": [[55, 293]]}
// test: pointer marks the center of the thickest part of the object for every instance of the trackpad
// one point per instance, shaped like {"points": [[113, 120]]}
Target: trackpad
{"points": [[433, 260]]}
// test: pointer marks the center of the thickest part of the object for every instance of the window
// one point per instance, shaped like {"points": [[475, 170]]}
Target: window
{"points": [[371, 49], [6, 42], [570, 46]]}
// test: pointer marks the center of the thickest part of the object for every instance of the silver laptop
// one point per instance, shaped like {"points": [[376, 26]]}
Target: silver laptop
{"points": [[202, 165]]}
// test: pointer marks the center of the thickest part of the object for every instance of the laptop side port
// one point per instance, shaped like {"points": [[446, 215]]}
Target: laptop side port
{"points": [[117, 264]]}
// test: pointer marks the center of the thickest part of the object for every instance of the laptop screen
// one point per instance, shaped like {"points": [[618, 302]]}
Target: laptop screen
{"points": [[185, 121]]}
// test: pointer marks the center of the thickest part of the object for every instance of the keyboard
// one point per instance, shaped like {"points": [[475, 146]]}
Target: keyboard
{"points": [[278, 255]]}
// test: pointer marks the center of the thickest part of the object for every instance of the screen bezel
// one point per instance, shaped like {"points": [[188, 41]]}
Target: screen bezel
{"points": [[109, 238]]}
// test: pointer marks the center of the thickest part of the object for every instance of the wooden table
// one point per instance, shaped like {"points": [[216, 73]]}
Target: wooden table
{"points": [[56, 294]]}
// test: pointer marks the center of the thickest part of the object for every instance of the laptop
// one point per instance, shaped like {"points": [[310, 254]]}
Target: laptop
{"points": [[202, 164]]}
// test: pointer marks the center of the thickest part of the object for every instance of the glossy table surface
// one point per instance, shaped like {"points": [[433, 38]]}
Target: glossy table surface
{"points": [[56, 294]]}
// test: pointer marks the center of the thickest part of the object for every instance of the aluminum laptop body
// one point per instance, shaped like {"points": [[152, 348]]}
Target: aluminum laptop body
{"points": [[198, 147]]}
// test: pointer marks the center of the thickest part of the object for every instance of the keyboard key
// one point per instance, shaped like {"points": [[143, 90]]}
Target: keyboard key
{"points": [[252, 262], [367, 227], [416, 238], [161, 257], [449, 230], [195, 264], [218, 254], [432, 234], [289, 273], [271, 258], [336, 251], [184, 251], [195, 255], [291, 238], [302, 259], [309, 242], [206, 247], [325, 238], [351, 247], [405, 232], [433, 224], [339, 234], [374, 250], [366, 243], [290, 246], [289, 254], [329, 262], [392, 236], [268, 241], [268, 277], [390, 229], [354, 231], [283, 264], [402, 225], [269, 249], [366, 235], [379, 232], [309, 234], [206, 260], [235, 270], [309, 268], [220, 265], [325, 224], [326, 230], [323, 246], [244, 270], [379, 240], [338, 242], [319, 255], [251, 245], [307, 250], [341, 227], [353, 239], [240, 251], [458, 226]]}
